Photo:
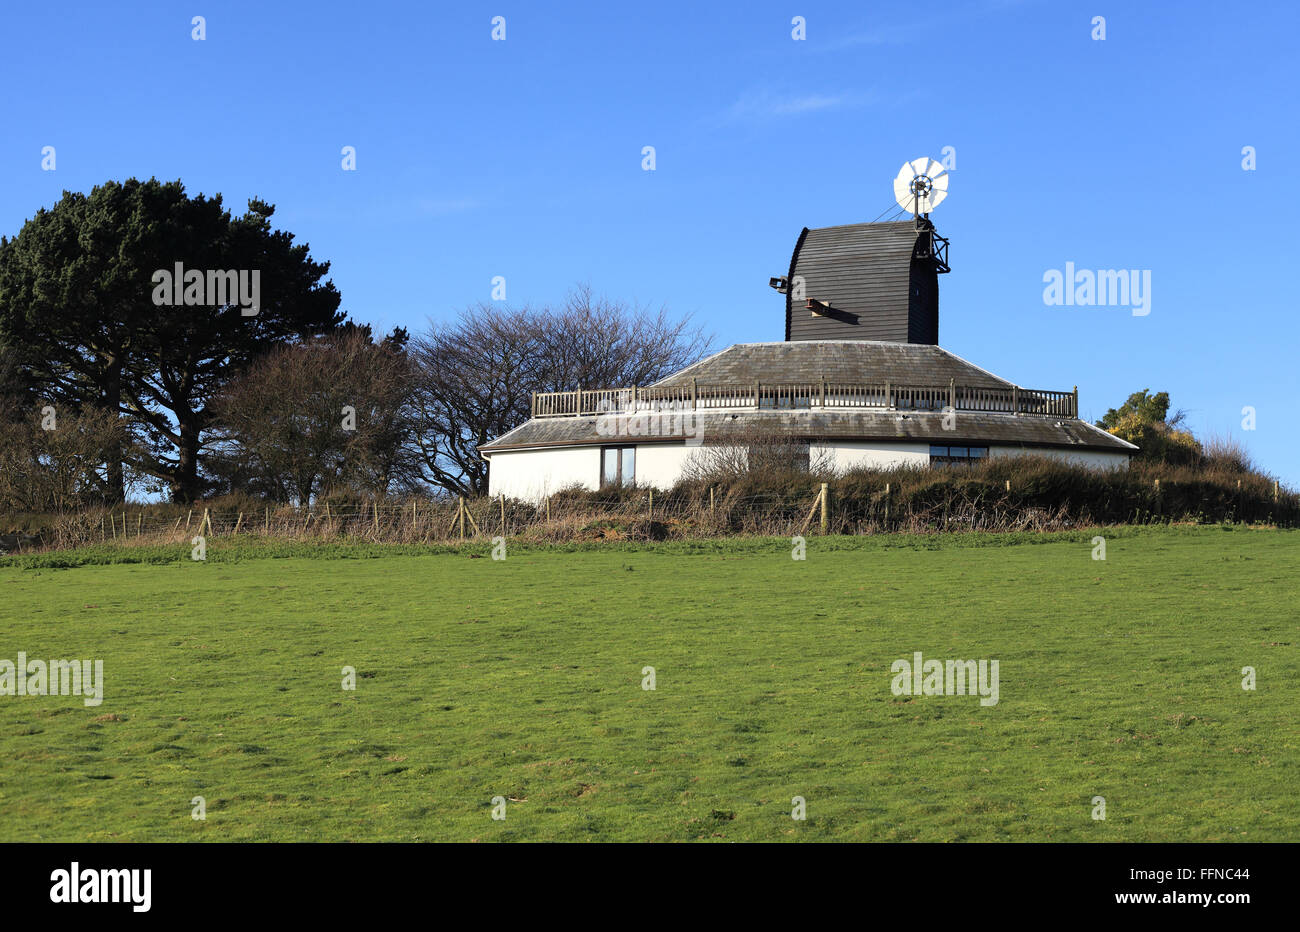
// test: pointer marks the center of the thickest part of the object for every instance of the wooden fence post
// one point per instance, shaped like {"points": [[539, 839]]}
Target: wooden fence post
{"points": [[139, 521], [189, 514], [710, 501], [503, 514], [886, 506], [239, 522], [825, 510], [650, 513], [461, 516]]}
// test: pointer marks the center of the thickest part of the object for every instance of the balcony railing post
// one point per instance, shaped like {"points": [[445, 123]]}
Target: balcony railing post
{"points": [[819, 394]]}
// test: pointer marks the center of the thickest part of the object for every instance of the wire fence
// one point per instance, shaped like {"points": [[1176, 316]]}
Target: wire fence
{"points": [[416, 521], [636, 515]]}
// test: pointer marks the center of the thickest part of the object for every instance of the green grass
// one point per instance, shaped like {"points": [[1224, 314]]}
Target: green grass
{"points": [[522, 679]]}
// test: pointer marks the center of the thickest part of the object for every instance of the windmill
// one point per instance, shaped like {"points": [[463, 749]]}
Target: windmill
{"points": [[919, 187], [872, 281]]}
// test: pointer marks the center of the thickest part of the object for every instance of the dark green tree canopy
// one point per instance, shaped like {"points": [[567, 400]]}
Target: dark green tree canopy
{"points": [[79, 292]]}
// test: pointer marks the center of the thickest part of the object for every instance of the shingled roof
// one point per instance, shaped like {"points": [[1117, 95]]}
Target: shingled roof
{"points": [[833, 424], [836, 361], [875, 281]]}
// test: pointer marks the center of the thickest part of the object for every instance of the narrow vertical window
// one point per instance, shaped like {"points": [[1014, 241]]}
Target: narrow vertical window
{"points": [[617, 466], [609, 466]]}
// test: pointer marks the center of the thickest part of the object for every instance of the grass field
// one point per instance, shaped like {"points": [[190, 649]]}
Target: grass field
{"points": [[522, 679]]}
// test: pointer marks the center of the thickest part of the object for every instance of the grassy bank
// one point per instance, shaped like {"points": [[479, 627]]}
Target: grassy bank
{"points": [[523, 678]]}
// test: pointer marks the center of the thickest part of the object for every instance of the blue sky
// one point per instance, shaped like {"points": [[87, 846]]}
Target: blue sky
{"points": [[522, 158]]}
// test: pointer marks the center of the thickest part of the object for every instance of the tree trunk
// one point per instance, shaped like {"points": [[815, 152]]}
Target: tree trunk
{"points": [[113, 455], [185, 486]]}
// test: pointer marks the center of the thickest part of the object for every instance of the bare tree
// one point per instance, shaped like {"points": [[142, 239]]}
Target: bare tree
{"points": [[321, 416], [474, 375], [54, 460], [757, 452], [592, 342], [473, 378]]}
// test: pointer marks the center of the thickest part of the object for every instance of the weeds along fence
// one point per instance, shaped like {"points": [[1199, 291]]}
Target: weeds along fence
{"points": [[938, 500], [558, 519]]}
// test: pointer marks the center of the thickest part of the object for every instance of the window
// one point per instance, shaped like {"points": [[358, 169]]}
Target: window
{"points": [[617, 466], [955, 454]]}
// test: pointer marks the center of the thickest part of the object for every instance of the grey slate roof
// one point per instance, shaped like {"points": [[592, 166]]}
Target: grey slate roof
{"points": [[833, 424], [836, 361]]}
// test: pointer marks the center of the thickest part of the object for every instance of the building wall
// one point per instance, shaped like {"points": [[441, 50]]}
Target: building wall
{"points": [[846, 454], [1095, 459], [531, 475], [660, 464]]}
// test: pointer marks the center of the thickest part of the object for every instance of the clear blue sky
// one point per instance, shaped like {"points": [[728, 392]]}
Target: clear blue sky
{"points": [[522, 158]]}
